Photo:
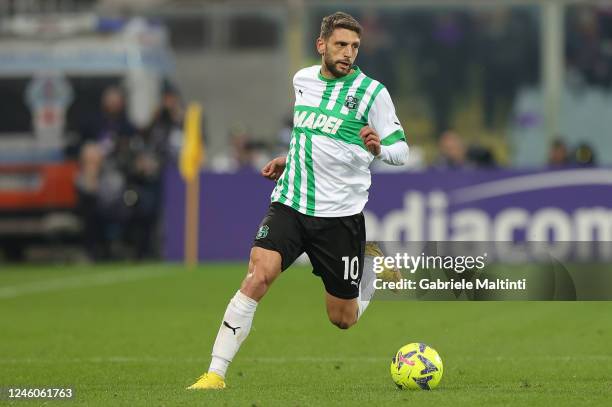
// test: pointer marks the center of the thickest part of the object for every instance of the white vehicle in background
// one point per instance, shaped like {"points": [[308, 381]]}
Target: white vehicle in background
{"points": [[53, 70]]}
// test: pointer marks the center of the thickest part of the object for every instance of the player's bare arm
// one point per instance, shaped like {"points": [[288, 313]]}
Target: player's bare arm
{"points": [[274, 168]]}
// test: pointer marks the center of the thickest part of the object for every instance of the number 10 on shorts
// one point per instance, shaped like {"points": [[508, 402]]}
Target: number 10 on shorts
{"points": [[351, 267]]}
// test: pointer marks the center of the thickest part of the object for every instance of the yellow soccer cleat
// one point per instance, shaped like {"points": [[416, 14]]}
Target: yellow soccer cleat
{"points": [[391, 274], [373, 249], [388, 274], [208, 381]]}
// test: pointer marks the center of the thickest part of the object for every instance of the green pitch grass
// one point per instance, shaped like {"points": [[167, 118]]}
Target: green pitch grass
{"points": [[138, 335]]}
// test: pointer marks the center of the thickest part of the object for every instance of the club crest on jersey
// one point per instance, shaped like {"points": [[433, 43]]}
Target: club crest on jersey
{"points": [[262, 232], [351, 102]]}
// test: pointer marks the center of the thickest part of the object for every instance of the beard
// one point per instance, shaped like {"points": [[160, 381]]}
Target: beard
{"points": [[331, 67]]}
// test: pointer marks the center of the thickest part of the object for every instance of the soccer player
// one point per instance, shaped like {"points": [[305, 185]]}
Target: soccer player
{"points": [[343, 120]]}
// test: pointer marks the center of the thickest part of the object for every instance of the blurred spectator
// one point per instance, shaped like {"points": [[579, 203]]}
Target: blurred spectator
{"points": [[504, 71], [156, 147], [558, 155], [585, 156], [244, 154], [101, 184], [260, 154], [111, 128], [100, 187], [240, 140], [451, 151], [164, 135], [481, 157], [588, 46], [87, 183], [377, 56], [444, 65]]}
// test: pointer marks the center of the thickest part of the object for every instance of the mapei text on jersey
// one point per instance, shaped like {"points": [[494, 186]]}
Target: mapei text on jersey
{"points": [[314, 121]]}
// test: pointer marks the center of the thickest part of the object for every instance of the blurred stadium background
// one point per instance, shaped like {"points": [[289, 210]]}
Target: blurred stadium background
{"points": [[94, 95], [506, 104]]}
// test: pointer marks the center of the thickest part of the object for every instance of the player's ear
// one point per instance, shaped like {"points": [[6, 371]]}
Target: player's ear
{"points": [[321, 46]]}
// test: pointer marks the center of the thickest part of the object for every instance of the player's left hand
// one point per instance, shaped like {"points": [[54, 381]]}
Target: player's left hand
{"points": [[273, 169], [370, 139]]}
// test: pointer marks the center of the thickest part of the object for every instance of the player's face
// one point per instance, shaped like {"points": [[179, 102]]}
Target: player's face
{"points": [[339, 51]]}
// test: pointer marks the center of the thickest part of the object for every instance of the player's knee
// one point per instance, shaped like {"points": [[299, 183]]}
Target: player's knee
{"points": [[262, 270], [256, 282], [259, 270], [343, 320], [343, 323], [260, 280]]}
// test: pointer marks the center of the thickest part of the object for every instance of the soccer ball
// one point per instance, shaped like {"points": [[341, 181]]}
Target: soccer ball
{"points": [[416, 366]]}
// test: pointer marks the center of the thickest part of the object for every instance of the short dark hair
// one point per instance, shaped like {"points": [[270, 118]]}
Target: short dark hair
{"points": [[338, 20]]}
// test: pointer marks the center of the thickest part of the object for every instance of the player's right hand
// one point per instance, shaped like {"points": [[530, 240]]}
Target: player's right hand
{"points": [[273, 169]]}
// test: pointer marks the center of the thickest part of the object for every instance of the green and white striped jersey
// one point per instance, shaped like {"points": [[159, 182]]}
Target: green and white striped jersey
{"points": [[327, 172]]}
